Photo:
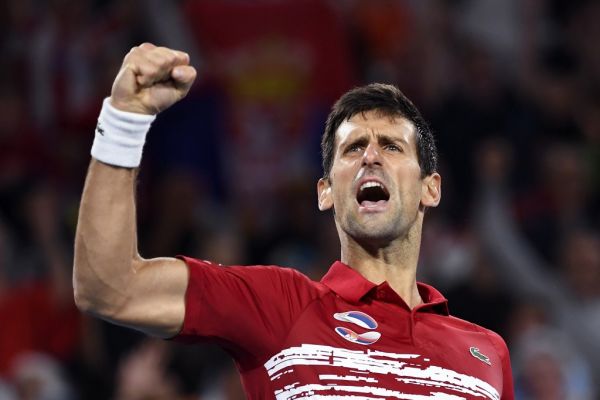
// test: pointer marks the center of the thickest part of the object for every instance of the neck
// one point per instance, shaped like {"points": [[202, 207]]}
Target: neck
{"points": [[395, 262]]}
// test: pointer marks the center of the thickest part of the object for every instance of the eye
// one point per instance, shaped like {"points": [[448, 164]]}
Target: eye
{"points": [[393, 147], [353, 148]]}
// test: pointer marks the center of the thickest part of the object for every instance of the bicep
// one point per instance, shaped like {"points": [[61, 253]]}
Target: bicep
{"points": [[246, 309], [155, 297]]}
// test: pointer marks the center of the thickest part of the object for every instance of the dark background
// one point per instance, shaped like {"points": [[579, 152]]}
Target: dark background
{"points": [[511, 88]]}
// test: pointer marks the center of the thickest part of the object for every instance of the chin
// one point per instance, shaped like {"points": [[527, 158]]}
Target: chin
{"points": [[374, 234]]}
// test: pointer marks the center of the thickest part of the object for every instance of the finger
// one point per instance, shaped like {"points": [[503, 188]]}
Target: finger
{"points": [[147, 46], [152, 64], [148, 72], [137, 54], [156, 65], [127, 77], [151, 67], [134, 60], [182, 57], [171, 57], [183, 74]]}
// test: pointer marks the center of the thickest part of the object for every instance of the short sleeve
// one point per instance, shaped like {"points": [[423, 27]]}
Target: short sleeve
{"points": [[248, 310], [508, 391]]}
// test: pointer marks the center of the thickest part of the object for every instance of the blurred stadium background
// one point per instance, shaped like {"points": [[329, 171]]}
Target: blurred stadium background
{"points": [[511, 88]]}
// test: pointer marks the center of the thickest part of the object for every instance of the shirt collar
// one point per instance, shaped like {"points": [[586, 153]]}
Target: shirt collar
{"points": [[352, 286]]}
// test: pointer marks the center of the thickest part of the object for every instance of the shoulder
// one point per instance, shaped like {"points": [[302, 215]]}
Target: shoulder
{"points": [[254, 275], [494, 339], [498, 342]]}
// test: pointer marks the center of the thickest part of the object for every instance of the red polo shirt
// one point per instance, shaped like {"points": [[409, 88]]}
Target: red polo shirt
{"points": [[342, 338]]}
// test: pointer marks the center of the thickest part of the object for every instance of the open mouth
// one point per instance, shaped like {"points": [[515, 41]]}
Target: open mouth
{"points": [[372, 193]]}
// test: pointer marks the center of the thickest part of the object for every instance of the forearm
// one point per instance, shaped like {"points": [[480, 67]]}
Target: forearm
{"points": [[110, 279], [105, 241]]}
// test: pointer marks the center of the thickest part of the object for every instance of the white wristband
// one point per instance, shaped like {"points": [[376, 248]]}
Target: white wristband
{"points": [[120, 136]]}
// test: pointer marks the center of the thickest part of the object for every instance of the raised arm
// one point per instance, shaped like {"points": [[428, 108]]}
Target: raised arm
{"points": [[110, 278]]}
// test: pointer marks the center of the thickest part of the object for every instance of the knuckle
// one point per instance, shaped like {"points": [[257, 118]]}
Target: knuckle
{"points": [[166, 57], [131, 54], [147, 46]]}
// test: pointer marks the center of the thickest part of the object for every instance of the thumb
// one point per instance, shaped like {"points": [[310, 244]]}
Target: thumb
{"points": [[183, 75]]}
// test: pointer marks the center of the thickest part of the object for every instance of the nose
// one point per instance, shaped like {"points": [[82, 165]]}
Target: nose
{"points": [[372, 155]]}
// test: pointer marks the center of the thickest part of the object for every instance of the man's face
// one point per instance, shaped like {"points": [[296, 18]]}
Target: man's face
{"points": [[375, 184]]}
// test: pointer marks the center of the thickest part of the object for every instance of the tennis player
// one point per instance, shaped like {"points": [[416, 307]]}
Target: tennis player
{"points": [[367, 330]]}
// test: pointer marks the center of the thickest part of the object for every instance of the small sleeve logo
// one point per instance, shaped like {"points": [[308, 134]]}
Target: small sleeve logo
{"points": [[99, 129], [480, 356]]}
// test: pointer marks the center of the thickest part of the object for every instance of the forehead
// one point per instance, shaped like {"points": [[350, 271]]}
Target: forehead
{"points": [[375, 123]]}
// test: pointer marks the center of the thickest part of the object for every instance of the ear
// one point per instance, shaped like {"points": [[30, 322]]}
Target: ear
{"points": [[431, 190], [324, 194]]}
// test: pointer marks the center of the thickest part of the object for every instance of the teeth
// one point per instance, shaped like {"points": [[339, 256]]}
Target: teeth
{"points": [[370, 184]]}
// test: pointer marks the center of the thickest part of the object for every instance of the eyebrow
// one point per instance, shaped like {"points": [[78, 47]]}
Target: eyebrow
{"points": [[386, 139], [362, 140], [382, 138]]}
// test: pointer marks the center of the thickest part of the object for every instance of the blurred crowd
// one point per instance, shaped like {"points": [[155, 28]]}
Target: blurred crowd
{"points": [[510, 87]]}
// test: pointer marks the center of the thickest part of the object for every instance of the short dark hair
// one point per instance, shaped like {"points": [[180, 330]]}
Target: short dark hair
{"points": [[389, 101]]}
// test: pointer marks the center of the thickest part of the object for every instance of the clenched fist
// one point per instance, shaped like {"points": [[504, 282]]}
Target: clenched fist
{"points": [[152, 79]]}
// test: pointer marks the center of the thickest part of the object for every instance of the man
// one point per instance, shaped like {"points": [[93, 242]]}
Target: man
{"points": [[368, 330]]}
